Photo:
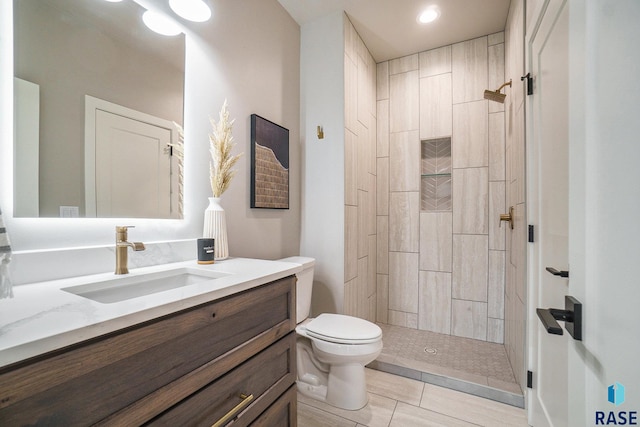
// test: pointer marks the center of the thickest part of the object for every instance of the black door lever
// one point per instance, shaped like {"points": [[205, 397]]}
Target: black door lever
{"points": [[555, 272], [571, 315]]}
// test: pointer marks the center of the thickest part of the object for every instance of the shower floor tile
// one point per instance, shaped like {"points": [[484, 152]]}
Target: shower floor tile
{"points": [[464, 364]]}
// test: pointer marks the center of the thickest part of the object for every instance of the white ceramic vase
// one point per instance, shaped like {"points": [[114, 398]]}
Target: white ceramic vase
{"points": [[215, 226]]}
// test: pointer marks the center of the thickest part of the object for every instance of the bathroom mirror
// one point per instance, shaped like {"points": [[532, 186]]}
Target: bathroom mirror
{"points": [[69, 51]]}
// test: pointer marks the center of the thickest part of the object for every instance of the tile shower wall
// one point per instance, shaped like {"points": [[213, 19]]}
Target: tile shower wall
{"points": [[441, 266], [360, 177], [516, 259]]}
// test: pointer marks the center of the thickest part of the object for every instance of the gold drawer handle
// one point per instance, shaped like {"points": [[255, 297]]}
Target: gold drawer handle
{"points": [[232, 413]]}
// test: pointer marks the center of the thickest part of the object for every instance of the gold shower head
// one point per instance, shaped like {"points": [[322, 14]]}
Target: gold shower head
{"points": [[496, 96]]}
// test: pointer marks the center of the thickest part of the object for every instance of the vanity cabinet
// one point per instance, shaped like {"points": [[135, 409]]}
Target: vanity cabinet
{"points": [[230, 361]]}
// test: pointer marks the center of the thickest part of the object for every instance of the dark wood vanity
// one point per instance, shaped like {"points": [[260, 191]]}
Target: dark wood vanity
{"points": [[227, 362]]}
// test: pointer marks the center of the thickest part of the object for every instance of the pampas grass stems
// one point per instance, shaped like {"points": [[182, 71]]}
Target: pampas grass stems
{"points": [[220, 146]]}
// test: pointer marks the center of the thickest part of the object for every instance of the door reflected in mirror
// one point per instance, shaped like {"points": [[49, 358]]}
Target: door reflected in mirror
{"points": [[67, 51]]}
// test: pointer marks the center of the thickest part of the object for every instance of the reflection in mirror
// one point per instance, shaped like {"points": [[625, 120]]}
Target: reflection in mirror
{"points": [[68, 52]]}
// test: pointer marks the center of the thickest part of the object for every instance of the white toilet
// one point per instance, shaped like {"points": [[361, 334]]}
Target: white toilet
{"points": [[332, 349]]}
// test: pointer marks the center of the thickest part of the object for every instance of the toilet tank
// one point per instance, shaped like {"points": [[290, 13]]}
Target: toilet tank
{"points": [[303, 286]]}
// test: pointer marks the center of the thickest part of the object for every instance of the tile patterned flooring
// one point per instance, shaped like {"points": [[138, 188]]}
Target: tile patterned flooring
{"points": [[396, 401], [464, 364]]}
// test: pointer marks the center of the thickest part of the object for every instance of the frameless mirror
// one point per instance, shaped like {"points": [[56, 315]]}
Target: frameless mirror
{"points": [[96, 97]]}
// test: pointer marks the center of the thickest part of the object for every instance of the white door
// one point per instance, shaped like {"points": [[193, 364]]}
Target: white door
{"points": [[583, 118], [133, 168], [139, 178], [549, 195], [604, 206]]}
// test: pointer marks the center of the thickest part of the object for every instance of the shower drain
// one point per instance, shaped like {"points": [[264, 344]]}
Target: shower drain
{"points": [[431, 350]]}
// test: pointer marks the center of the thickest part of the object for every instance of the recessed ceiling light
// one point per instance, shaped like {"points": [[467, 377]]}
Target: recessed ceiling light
{"points": [[429, 15], [114, 1], [160, 23], [193, 10]]}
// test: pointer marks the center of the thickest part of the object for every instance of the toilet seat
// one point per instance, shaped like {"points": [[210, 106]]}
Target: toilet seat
{"points": [[341, 329]]}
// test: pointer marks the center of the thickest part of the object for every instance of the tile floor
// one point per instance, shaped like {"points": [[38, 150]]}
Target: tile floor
{"points": [[477, 367], [396, 401]]}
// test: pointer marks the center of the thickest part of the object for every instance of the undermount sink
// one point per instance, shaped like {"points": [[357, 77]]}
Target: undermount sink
{"points": [[127, 287]]}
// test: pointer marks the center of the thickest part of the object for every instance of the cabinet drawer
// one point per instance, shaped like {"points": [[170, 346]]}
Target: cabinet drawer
{"points": [[283, 412], [85, 383], [244, 392]]}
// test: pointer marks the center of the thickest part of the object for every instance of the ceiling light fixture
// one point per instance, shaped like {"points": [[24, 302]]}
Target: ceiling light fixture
{"points": [[429, 15], [160, 23], [192, 10]]}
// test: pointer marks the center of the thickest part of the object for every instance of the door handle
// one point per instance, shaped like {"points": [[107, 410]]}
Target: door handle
{"points": [[571, 315], [555, 272], [507, 217], [549, 321]]}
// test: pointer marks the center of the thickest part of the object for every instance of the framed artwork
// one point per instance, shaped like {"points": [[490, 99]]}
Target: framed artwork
{"points": [[269, 164]]}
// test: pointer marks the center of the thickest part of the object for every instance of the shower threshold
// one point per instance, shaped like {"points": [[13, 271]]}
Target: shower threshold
{"points": [[463, 364]]}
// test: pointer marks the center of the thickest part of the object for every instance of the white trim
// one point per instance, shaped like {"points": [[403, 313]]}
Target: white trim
{"points": [[26, 148]]}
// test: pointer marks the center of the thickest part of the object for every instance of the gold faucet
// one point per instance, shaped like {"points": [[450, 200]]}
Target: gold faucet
{"points": [[121, 249]]}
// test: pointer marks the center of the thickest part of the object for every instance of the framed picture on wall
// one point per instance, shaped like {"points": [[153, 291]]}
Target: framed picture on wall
{"points": [[269, 164]]}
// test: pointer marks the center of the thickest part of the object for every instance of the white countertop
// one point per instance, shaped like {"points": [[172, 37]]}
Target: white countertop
{"points": [[41, 317]]}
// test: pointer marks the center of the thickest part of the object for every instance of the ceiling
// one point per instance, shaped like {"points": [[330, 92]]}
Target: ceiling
{"points": [[389, 27]]}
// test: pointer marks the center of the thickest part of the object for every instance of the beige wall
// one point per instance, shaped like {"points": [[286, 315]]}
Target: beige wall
{"points": [[359, 177], [442, 271], [516, 285]]}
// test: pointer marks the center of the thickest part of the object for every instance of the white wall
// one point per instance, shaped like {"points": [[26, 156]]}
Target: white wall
{"points": [[249, 53], [322, 103]]}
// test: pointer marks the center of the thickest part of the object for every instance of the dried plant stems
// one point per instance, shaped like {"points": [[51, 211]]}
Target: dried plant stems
{"points": [[220, 146]]}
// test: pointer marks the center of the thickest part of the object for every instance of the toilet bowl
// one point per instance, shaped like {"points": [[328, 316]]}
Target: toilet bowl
{"points": [[332, 349]]}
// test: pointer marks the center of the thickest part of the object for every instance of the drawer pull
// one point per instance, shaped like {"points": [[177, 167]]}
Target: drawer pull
{"points": [[232, 413]]}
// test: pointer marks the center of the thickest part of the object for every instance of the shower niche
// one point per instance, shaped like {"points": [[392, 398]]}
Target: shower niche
{"points": [[435, 182]]}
